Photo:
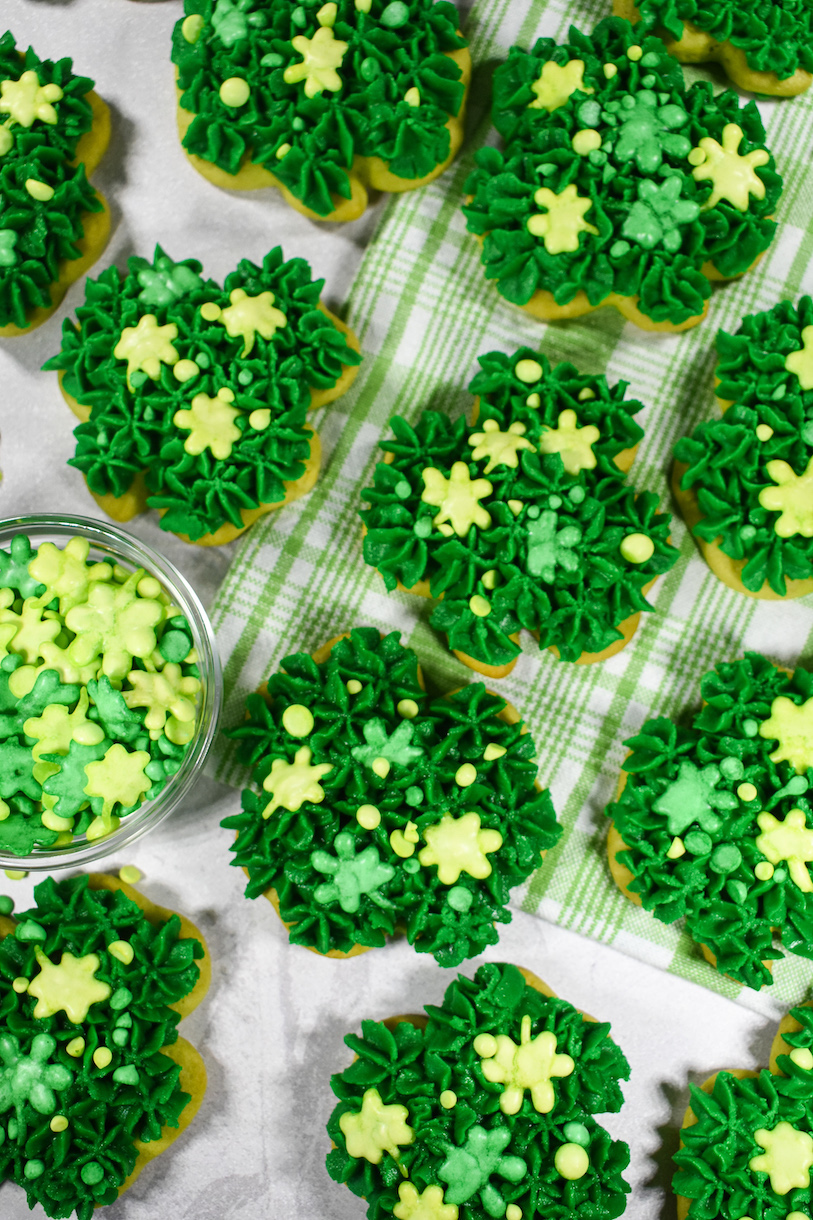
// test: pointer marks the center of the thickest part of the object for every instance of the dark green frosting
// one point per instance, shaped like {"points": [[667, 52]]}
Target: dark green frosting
{"points": [[108, 1108], [425, 751], [713, 885], [775, 37], [727, 463], [36, 236], [713, 1165], [649, 243], [412, 1067], [392, 48], [131, 428], [591, 588]]}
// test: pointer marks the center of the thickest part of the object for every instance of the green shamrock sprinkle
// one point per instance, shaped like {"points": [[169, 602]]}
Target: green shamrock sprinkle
{"points": [[353, 875], [116, 623], [656, 216]]}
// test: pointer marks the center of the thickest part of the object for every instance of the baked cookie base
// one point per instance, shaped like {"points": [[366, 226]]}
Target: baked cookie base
{"points": [[697, 47]]}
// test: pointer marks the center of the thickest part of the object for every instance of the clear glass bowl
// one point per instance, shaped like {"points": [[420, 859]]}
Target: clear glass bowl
{"points": [[109, 543]]}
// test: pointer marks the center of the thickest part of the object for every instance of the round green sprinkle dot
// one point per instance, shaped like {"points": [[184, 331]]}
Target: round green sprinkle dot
{"points": [[92, 1173], [555, 501], [698, 843], [725, 858], [747, 533], [402, 489], [29, 930], [202, 360], [33, 1169], [732, 768], [395, 15], [423, 527], [370, 68], [412, 865], [577, 494], [750, 728], [533, 511], [174, 646], [780, 874], [298, 124], [737, 891], [459, 898], [619, 249], [272, 60], [413, 795], [299, 16], [120, 999], [137, 379], [120, 1037], [128, 1074], [577, 1133], [6, 904], [245, 376]]}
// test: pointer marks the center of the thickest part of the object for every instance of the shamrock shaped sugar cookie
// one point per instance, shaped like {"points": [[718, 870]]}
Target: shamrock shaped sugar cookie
{"points": [[193, 397], [744, 483], [616, 184], [374, 808], [94, 1080], [53, 225], [756, 1130], [764, 47], [713, 822], [324, 101], [521, 518], [483, 1108]]}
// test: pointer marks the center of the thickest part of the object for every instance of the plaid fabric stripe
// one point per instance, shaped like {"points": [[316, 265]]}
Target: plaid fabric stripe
{"points": [[424, 311]]}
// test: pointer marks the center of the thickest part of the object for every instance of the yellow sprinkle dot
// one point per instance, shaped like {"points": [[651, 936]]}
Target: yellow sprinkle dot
{"points": [[513, 1212], [102, 1057], [210, 311], [586, 141], [282, 151], [610, 71], [122, 951], [353, 686], [485, 1045], [533, 400], [764, 871], [20, 985], [363, 6], [368, 817], [490, 578], [381, 767], [400, 845], [149, 587], [516, 506], [76, 1047], [479, 606], [764, 432], [185, 370], [58, 1123], [696, 156], [408, 708], [571, 1160], [412, 97], [637, 548], [15, 874], [327, 15], [465, 775], [747, 792], [192, 27], [411, 832], [130, 874], [260, 418], [528, 370], [234, 92], [297, 720], [39, 190], [448, 1099], [676, 850], [801, 1056], [493, 751], [52, 821], [586, 394], [634, 53]]}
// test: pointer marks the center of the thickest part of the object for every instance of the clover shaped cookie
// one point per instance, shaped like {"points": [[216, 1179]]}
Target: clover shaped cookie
{"points": [[713, 822], [747, 1137], [324, 101], [193, 398], [744, 483], [94, 1080], [765, 46], [377, 808], [54, 131], [522, 518], [617, 185], [483, 1108]]}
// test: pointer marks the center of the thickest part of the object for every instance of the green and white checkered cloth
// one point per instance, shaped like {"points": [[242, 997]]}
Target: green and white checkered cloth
{"points": [[424, 312]]}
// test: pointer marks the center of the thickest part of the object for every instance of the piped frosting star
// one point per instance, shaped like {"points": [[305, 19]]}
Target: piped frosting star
{"points": [[458, 845], [563, 221], [792, 497], [321, 56], [376, 1129], [557, 85], [791, 724], [290, 784], [572, 443], [457, 497], [531, 1065], [787, 1158], [501, 448], [732, 176], [790, 841]]}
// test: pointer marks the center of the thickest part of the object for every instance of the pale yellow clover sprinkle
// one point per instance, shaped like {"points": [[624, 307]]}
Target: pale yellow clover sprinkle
{"points": [[376, 1129], [290, 784], [792, 497], [246, 317], [54, 730], [637, 548], [501, 448], [457, 497], [586, 141], [801, 362], [211, 425], [571, 1160], [297, 720], [321, 56], [789, 841], [574, 444], [70, 986], [458, 845], [25, 100], [147, 346], [557, 85], [791, 724], [118, 777], [428, 1205], [802, 1057], [564, 220], [162, 693], [732, 176], [787, 1158], [531, 1065]]}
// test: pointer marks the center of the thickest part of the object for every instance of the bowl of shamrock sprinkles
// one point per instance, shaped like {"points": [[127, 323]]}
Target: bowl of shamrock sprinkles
{"points": [[110, 690]]}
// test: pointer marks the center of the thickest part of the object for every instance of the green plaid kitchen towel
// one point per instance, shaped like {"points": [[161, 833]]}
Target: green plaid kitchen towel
{"points": [[424, 312]]}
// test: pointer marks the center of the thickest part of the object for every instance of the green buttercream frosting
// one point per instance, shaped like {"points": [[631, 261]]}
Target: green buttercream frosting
{"points": [[37, 235], [483, 1159], [107, 1108], [546, 556], [775, 37], [723, 1137], [133, 427], [320, 124], [720, 787], [728, 462], [647, 225], [340, 884]]}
